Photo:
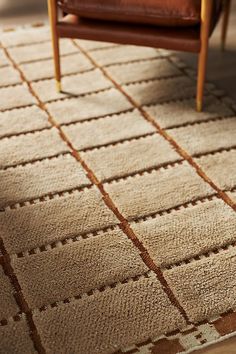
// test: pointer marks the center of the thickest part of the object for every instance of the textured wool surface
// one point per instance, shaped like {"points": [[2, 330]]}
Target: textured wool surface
{"points": [[117, 201], [9, 76], [36, 71]]}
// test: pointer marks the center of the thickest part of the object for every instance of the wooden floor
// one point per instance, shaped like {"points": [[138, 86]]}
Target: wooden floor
{"points": [[221, 65], [221, 71], [15, 12], [226, 347]]}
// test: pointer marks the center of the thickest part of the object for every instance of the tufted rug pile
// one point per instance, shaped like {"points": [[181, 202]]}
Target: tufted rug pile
{"points": [[117, 201]]}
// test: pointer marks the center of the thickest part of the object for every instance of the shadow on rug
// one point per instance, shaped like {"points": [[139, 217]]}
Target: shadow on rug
{"points": [[117, 201]]}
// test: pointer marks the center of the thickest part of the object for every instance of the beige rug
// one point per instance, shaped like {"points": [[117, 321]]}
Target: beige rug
{"points": [[117, 202]]}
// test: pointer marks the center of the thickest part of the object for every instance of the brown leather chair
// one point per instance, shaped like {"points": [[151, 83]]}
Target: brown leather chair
{"points": [[184, 25]]}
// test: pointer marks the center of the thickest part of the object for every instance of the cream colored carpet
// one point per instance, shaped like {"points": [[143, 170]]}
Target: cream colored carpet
{"points": [[117, 202]]}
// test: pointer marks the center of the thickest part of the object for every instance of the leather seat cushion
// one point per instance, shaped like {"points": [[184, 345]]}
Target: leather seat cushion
{"points": [[154, 12]]}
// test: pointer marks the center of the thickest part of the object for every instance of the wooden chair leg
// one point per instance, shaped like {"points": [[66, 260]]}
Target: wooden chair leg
{"points": [[206, 11], [52, 12], [227, 5]]}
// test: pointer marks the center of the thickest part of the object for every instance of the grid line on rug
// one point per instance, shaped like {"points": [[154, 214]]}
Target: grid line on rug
{"points": [[183, 153]]}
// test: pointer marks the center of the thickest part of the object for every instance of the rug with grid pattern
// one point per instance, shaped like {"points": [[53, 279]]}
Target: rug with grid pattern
{"points": [[117, 201]]}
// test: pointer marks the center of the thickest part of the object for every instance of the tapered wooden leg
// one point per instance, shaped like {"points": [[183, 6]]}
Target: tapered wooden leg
{"points": [[227, 5], [206, 11], [52, 12]]}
